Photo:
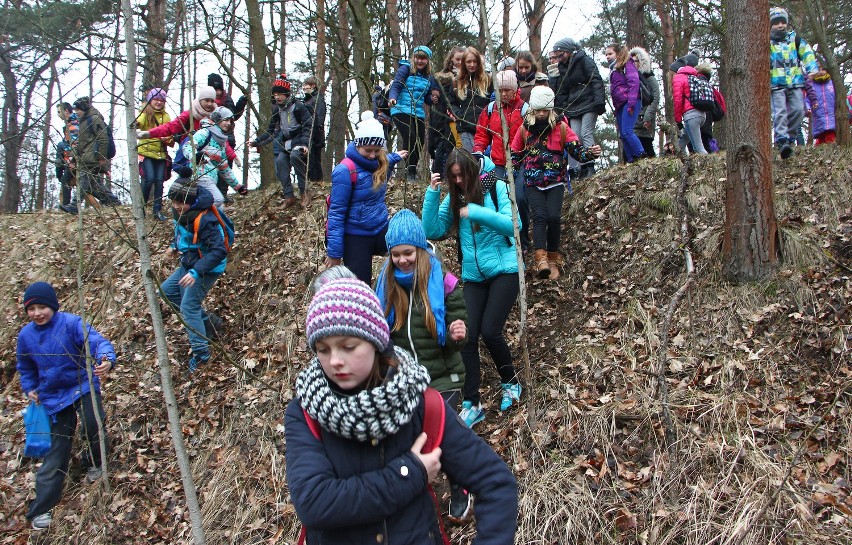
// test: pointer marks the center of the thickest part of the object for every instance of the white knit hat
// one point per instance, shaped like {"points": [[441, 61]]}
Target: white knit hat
{"points": [[369, 131], [205, 91], [541, 98]]}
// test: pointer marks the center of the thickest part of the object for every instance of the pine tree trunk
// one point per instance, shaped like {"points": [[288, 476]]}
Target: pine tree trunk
{"points": [[421, 22], [261, 69], [154, 59], [44, 156], [667, 31], [282, 26], [339, 110], [535, 17], [394, 32], [636, 23], [507, 6], [751, 240], [148, 280], [10, 135], [362, 51], [321, 45]]}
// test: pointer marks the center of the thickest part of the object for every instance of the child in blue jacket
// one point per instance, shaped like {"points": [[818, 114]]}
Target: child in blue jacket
{"points": [[202, 244], [51, 360], [363, 477]]}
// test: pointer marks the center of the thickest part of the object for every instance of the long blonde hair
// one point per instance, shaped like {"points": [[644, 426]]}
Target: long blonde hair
{"points": [[398, 298], [380, 175], [479, 80]]}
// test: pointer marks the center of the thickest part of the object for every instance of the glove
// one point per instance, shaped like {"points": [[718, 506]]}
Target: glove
{"points": [[241, 104], [553, 70], [241, 189], [238, 161]]}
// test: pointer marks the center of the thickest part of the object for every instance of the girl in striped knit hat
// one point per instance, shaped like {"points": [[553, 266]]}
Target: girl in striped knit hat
{"points": [[356, 463]]}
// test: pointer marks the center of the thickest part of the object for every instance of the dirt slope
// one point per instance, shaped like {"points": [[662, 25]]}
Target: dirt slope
{"points": [[756, 375]]}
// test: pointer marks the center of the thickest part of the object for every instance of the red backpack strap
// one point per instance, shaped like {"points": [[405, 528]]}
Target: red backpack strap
{"points": [[312, 425], [353, 170], [433, 419]]}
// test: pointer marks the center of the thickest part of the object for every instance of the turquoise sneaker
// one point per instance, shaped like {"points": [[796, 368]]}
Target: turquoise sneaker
{"points": [[471, 414], [511, 394]]}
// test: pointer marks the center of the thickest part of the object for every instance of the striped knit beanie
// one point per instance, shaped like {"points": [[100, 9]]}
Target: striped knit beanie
{"points": [[346, 307]]}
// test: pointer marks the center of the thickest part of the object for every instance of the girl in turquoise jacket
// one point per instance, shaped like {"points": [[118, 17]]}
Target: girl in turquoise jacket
{"points": [[478, 210]]}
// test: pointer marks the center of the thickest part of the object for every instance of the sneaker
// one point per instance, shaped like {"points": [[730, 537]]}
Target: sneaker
{"points": [[159, 216], [511, 393], [471, 414], [461, 505], [93, 474], [68, 208], [196, 360], [42, 522], [212, 326], [786, 151]]}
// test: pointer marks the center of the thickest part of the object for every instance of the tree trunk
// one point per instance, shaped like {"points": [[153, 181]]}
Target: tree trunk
{"points": [[282, 26], [44, 158], [175, 61], [751, 240], [636, 23], [10, 134], [319, 72], [394, 32], [263, 76], [507, 49], [339, 108], [362, 51], [154, 59], [667, 31], [421, 22], [535, 17], [148, 280]]}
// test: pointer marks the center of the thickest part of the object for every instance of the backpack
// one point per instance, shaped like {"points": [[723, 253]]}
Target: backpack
{"points": [[719, 110], [645, 89], [224, 222], [353, 177], [524, 109], [180, 161], [434, 419], [110, 140], [701, 94], [548, 165]]}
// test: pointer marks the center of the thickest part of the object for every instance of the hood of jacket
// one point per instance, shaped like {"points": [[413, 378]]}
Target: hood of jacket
{"points": [[643, 60], [688, 71]]}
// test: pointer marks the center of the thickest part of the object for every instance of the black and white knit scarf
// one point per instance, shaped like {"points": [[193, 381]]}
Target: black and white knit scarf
{"points": [[369, 415]]}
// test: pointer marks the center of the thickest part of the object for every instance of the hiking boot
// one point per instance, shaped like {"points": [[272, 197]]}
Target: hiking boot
{"points": [[42, 522], [461, 505], [93, 474], [553, 263], [542, 268], [196, 360], [786, 151], [290, 201], [471, 414], [511, 394], [212, 326], [306, 199], [69, 208]]}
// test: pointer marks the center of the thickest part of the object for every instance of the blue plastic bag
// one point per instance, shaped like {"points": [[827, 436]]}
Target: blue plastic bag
{"points": [[37, 424]]}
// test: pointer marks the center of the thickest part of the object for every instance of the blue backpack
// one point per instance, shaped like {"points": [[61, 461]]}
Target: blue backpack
{"points": [[181, 161]]}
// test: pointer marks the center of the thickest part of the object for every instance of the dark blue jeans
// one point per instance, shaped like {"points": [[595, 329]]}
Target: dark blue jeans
{"points": [[488, 306], [51, 476], [520, 198], [153, 174], [358, 252]]}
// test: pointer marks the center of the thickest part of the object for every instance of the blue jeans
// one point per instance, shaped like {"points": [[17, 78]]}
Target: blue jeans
{"points": [[692, 122], [521, 198], [153, 174], [51, 476], [284, 161], [189, 300], [625, 121]]}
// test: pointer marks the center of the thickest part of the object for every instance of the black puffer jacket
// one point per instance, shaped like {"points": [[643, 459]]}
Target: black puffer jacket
{"points": [[579, 87]]}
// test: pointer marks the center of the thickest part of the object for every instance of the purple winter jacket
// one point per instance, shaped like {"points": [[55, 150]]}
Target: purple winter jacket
{"points": [[821, 95], [624, 86]]}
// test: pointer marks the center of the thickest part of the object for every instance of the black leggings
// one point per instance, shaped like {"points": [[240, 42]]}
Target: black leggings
{"points": [[358, 252], [412, 134], [545, 210], [488, 306]]}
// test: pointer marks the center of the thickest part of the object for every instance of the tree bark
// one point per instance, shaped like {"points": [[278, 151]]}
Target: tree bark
{"points": [[282, 25], [10, 134], [421, 22], [393, 34], [667, 31], [154, 58], [751, 240], [362, 51], [636, 23], [260, 65], [151, 289], [535, 18], [507, 6], [321, 45], [339, 108], [44, 158]]}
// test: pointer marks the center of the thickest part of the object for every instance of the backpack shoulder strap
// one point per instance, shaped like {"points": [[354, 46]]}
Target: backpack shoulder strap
{"points": [[313, 425], [524, 109], [353, 170], [224, 227], [490, 108], [434, 419], [564, 134]]}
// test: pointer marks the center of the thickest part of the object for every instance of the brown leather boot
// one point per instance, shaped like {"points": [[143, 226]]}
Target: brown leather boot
{"points": [[306, 198], [553, 261], [290, 201], [542, 267]]}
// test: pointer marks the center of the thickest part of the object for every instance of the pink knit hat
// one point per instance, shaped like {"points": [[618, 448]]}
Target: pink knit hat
{"points": [[505, 79], [349, 308]]}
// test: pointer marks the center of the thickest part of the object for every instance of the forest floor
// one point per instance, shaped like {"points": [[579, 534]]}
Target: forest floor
{"points": [[758, 376]]}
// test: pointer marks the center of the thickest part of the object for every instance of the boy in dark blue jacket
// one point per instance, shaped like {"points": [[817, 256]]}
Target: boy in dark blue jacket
{"points": [[203, 246], [51, 359]]}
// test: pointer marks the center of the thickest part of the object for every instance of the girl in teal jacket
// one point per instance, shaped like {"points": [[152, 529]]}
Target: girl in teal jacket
{"points": [[477, 210]]}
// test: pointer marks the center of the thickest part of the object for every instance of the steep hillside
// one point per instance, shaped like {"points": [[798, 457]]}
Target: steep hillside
{"points": [[758, 376]]}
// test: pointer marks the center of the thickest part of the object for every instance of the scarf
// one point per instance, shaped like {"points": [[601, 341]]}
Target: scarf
{"points": [[434, 289], [369, 415], [779, 36], [538, 128], [217, 134], [197, 111]]}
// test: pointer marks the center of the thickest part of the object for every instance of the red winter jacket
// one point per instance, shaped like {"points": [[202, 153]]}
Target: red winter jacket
{"points": [[680, 92], [177, 128], [489, 130]]}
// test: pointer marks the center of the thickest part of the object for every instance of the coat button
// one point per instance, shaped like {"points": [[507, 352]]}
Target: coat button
{"points": [[403, 471]]}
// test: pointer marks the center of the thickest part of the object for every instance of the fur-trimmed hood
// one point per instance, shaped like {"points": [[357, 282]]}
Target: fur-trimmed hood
{"points": [[643, 60]]}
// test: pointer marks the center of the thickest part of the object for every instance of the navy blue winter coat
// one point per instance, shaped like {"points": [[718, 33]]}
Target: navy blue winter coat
{"points": [[347, 492], [359, 210], [51, 360], [207, 253]]}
